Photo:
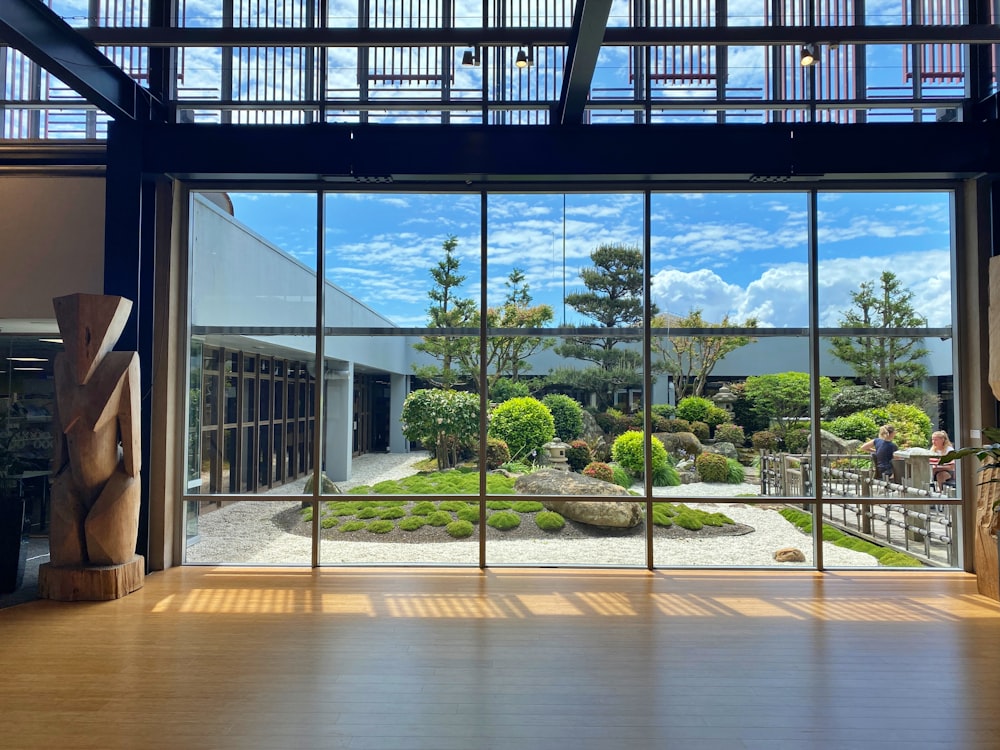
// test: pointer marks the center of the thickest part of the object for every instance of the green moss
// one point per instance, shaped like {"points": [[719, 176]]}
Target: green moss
{"points": [[329, 522], [899, 560], [307, 514], [381, 527], [662, 518], [469, 514], [504, 520], [453, 506], [548, 520], [424, 508], [688, 520], [459, 529], [830, 534], [412, 523], [528, 506], [439, 518], [367, 513], [352, 526], [392, 512], [499, 504]]}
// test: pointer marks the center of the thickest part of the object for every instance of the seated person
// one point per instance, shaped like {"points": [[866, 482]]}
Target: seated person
{"points": [[883, 449], [942, 474]]}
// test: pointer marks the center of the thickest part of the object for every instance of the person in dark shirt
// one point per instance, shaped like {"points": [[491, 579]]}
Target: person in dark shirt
{"points": [[883, 448]]}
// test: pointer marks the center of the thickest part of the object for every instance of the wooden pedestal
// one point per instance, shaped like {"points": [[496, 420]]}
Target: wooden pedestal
{"points": [[92, 583]]}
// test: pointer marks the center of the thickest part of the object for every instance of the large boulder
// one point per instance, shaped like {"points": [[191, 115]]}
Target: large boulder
{"points": [[676, 442], [612, 513], [592, 432], [831, 445], [723, 449]]}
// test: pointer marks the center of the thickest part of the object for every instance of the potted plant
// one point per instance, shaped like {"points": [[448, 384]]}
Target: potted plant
{"points": [[13, 550]]}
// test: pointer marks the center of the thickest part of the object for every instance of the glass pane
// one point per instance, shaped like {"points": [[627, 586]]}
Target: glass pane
{"points": [[253, 292], [244, 531]]}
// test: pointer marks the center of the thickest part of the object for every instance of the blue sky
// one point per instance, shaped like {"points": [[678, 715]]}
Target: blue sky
{"points": [[739, 254]]}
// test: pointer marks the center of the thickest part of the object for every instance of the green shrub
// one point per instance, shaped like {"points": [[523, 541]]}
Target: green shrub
{"points": [[694, 408], [712, 467], [459, 529], [549, 520], [621, 476], [439, 518], [797, 437], [567, 414], [469, 514], [442, 421], [629, 451], [504, 389], [599, 470], [578, 455], [412, 523], [736, 473], [528, 506], [666, 476], [851, 399], [853, 427], [678, 425], [612, 421], [700, 430], [764, 440], [504, 520], [913, 427], [525, 424], [664, 410], [381, 527], [497, 453], [730, 433]]}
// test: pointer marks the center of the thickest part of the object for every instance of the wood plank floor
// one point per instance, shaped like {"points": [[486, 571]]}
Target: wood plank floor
{"points": [[460, 658]]}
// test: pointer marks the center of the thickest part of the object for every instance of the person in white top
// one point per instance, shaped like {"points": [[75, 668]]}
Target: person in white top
{"points": [[943, 474]]}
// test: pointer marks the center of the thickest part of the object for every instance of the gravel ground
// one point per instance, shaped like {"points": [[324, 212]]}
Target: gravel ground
{"points": [[258, 533]]}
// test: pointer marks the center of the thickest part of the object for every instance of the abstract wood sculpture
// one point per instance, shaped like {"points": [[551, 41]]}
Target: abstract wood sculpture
{"points": [[96, 490]]}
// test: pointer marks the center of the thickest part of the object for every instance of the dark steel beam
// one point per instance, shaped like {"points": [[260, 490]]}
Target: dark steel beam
{"points": [[394, 156], [29, 26], [590, 19], [616, 36]]}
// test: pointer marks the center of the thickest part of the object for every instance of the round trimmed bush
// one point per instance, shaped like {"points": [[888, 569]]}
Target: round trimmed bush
{"points": [[712, 467], [764, 440], [504, 389], [730, 433], [629, 451], [694, 408], [497, 453], [504, 520], [549, 520], [599, 470], [459, 529], [913, 427], [700, 430], [525, 424], [578, 455], [664, 410], [852, 427], [567, 414], [678, 425]]}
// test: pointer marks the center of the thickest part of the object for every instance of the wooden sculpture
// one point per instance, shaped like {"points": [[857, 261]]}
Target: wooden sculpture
{"points": [[96, 490]]}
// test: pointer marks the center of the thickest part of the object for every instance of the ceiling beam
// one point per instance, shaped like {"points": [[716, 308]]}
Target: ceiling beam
{"points": [[32, 28], [617, 36], [398, 156], [590, 19]]}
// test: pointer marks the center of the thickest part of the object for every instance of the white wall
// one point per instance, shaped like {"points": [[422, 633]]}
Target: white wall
{"points": [[51, 241]]}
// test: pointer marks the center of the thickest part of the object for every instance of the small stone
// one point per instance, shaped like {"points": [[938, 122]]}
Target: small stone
{"points": [[789, 554]]}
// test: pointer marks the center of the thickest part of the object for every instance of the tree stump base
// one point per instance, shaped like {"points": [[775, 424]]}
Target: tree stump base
{"points": [[94, 583]]}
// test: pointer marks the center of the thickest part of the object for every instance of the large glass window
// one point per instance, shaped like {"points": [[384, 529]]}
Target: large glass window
{"points": [[665, 378]]}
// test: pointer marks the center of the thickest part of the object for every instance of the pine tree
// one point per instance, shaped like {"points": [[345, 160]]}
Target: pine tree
{"points": [[888, 361]]}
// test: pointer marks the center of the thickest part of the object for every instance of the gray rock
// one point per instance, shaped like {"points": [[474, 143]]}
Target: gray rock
{"points": [[723, 449], [675, 442], [789, 554], [591, 431], [613, 514], [831, 445], [327, 486]]}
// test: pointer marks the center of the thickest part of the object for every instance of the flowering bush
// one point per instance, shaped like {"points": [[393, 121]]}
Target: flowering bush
{"points": [[599, 470]]}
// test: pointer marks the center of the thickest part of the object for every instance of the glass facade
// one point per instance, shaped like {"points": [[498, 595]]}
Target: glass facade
{"points": [[691, 348]]}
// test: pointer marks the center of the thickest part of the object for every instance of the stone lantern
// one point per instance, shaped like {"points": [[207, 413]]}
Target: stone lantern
{"points": [[724, 399], [555, 454]]}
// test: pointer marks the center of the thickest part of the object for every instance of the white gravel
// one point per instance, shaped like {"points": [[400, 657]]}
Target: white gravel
{"points": [[244, 532]]}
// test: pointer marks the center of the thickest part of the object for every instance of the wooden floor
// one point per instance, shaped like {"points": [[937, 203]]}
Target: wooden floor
{"points": [[460, 658]]}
